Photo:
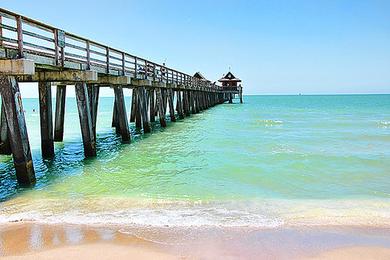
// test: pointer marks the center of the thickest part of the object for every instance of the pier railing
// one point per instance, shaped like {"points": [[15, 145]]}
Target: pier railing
{"points": [[52, 46], [31, 51]]}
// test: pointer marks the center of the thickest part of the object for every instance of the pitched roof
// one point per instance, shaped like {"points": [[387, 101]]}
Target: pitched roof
{"points": [[229, 77], [199, 76]]}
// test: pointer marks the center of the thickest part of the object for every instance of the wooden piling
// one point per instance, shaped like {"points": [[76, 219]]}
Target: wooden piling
{"points": [[198, 102], [133, 105], [114, 122], [160, 103], [138, 109], [18, 136], [192, 102], [152, 105], [5, 146], [46, 119], [123, 125], [179, 105], [171, 97], [93, 96], [186, 104], [84, 109], [95, 103], [164, 93], [143, 105], [60, 113]]}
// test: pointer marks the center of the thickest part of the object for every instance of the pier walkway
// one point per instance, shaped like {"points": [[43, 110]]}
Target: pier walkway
{"points": [[31, 51]]}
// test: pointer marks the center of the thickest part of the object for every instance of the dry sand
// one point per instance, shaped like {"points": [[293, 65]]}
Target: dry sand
{"points": [[355, 253], [95, 251], [42, 241]]}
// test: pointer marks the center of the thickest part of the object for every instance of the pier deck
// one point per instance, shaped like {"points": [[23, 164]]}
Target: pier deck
{"points": [[31, 51]]}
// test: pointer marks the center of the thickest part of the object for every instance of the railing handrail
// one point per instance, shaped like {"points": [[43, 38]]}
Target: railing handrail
{"points": [[139, 66]]}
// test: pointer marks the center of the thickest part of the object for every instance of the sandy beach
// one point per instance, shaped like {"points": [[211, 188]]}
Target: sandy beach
{"points": [[41, 241]]}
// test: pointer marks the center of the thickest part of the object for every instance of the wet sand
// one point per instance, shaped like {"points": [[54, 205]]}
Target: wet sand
{"points": [[26, 240]]}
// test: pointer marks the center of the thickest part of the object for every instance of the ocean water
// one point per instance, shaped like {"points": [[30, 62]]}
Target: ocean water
{"points": [[272, 161]]}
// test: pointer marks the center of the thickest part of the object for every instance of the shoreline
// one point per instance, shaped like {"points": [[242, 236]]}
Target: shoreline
{"points": [[23, 240]]}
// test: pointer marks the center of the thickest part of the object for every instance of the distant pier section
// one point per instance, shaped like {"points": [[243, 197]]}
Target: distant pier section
{"points": [[31, 51]]}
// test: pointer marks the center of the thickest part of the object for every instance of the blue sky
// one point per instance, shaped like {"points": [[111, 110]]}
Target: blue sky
{"points": [[285, 47]]}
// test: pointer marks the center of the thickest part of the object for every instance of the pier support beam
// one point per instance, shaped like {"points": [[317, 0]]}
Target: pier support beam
{"points": [[123, 125], [152, 105], [46, 119], [161, 111], [133, 105], [192, 102], [115, 116], [165, 99], [5, 146], [179, 105], [93, 94], [84, 109], [20, 145], [135, 114], [171, 97], [186, 103], [143, 106], [60, 113]]}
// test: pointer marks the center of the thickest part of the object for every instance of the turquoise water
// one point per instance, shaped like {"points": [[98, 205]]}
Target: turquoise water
{"points": [[275, 160]]}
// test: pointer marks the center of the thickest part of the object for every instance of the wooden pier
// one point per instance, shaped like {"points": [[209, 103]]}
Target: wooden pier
{"points": [[31, 51]]}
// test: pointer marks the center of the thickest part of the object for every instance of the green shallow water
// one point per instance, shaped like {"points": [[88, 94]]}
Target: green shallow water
{"points": [[267, 158]]}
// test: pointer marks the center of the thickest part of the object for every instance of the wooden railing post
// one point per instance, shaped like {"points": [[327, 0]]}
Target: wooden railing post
{"points": [[56, 55], [62, 55], [123, 64], [88, 55], [135, 68], [1, 30], [20, 35], [154, 72], [108, 60]]}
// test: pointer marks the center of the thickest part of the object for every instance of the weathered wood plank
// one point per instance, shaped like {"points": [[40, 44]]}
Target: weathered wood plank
{"points": [[84, 109], [46, 119], [19, 67], [113, 80], [61, 76], [20, 145]]}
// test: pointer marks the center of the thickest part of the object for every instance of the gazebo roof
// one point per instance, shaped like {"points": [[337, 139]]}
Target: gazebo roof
{"points": [[199, 75], [229, 77]]}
